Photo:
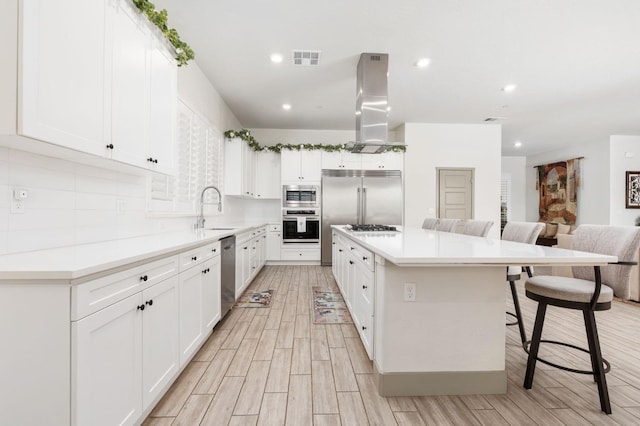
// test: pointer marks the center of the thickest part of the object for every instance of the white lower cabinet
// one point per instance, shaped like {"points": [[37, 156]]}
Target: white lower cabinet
{"points": [[107, 365], [353, 269], [274, 242], [125, 354], [250, 257], [160, 355]]}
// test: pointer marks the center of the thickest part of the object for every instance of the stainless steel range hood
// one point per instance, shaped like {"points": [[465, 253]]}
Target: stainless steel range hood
{"points": [[372, 104]]}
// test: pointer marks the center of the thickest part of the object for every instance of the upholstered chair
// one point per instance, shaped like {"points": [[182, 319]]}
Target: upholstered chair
{"points": [[589, 290], [527, 233], [447, 225], [430, 223], [478, 228]]}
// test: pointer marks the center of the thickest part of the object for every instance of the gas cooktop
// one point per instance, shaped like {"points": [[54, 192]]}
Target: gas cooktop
{"points": [[373, 228]]}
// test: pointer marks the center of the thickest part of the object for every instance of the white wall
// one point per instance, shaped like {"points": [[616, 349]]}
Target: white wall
{"points": [[300, 136], [593, 192], [624, 156], [513, 168], [431, 146], [72, 203]]}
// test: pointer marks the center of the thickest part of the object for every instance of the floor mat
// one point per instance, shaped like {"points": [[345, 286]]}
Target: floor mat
{"points": [[260, 299], [329, 307]]}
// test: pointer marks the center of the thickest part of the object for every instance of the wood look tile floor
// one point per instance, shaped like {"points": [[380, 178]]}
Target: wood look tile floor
{"points": [[273, 366]]}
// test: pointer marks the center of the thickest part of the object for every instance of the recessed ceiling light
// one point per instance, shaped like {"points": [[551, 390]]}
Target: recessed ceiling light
{"points": [[423, 62], [517, 144], [276, 58], [509, 88], [286, 107]]}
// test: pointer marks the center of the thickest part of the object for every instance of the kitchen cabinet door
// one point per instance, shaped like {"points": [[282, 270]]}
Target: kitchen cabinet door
{"points": [[191, 329], [268, 175], [385, 161], [274, 242], [63, 96], [211, 293], [160, 340], [311, 166], [163, 77], [129, 88], [106, 365]]}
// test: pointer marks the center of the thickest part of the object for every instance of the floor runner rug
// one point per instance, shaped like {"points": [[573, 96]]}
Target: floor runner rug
{"points": [[260, 299], [329, 307]]}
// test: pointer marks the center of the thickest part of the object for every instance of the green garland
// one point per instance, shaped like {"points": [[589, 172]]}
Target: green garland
{"points": [[159, 19], [245, 135]]}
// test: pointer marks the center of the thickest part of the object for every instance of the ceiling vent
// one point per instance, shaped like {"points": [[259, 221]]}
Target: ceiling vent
{"points": [[306, 57]]}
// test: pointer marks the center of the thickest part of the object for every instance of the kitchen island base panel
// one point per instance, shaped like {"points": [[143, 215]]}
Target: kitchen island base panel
{"points": [[455, 324], [440, 383]]}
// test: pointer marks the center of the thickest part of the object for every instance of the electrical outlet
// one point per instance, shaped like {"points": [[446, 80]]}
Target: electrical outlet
{"points": [[409, 292]]}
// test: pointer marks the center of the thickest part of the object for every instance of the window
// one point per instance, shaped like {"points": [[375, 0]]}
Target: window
{"points": [[198, 164]]}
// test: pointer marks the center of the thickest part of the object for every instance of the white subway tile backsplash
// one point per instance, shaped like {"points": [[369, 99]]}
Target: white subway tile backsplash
{"points": [[43, 198], [41, 219], [5, 196], [4, 172], [95, 234], [85, 170], [26, 176], [95, 218], [96, 185], [38, 239], [40, 161], [88, 201], [4, 219], [4, 154]]}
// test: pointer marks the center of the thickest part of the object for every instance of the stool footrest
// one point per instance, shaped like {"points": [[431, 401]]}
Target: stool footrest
{"points": [[607, 365]]}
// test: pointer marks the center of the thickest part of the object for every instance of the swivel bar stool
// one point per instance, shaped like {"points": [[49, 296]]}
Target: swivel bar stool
{"points": [[588, 291]]}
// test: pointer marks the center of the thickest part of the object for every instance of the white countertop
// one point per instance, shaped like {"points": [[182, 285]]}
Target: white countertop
{"points": [[75, 262], [417, 246]]}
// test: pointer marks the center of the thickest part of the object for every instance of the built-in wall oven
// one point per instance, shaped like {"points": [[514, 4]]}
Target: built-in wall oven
{"points": [[300, 196], [300, 226]]}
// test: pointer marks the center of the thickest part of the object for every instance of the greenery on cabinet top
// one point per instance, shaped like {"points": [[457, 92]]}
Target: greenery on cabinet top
{"points": [[245, 135], [184, 53]]}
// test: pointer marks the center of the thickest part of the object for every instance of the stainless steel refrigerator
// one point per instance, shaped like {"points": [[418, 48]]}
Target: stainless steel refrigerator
{"points": [[359, 197]]}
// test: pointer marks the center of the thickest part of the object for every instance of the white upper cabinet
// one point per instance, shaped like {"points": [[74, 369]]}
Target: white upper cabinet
{"points": [[268, 175], [63, 97], [303, 166], [385, 161], [129, 88], [99, 81], [341, 160]]}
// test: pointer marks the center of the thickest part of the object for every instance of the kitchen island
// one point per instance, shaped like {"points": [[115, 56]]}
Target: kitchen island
{"points": [[430, 306]]}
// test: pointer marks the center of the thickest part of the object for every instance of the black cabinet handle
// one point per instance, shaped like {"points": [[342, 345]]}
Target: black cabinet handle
{"points": [[364, 328], [352, 248], [141, 308], [340, 250], [351, 262], [245, 247], [213, 250], [144, 278], [364, 287], [194, 258], [149, 302], [110, 146], [155, 160], [364, 258], [204, 271], [150, 160]]}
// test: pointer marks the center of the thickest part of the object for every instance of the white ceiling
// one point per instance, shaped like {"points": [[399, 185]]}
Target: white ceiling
{"points": [[576, 63]]}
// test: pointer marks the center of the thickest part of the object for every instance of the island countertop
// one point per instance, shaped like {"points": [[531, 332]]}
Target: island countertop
{"points": [[412, 246]]}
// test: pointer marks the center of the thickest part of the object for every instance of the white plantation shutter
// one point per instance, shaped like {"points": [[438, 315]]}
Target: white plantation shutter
{"points": [[199, 164]]}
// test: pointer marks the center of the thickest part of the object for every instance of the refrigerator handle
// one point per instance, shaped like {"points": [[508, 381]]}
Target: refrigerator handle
{"points": [[359, 207], [364, 205]]}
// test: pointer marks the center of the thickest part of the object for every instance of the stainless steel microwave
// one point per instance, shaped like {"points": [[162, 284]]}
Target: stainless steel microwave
{"points": [[300, 196]]}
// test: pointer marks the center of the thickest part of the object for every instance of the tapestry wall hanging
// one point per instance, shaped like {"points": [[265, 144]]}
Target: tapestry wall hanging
{"points": [[632, 192], [557, 185]]}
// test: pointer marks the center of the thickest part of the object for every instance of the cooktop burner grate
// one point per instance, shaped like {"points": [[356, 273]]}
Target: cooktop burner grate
{"points": [[372, 228]]}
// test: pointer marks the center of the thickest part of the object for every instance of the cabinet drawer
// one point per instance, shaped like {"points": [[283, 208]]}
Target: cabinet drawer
{"points": [[97, 294], [211, 250], [300, 254], [195, 256], [361, 255]]}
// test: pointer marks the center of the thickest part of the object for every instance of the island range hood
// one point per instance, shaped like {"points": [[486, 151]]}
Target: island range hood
{"points": [[372, 104]]}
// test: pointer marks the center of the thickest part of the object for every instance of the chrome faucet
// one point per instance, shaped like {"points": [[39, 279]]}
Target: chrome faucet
{"points": [[200, 220]]}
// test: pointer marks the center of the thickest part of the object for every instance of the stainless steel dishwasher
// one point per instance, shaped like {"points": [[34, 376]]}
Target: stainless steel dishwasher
{"points": [[228, 274]]}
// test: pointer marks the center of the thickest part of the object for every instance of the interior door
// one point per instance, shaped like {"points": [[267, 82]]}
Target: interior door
{"points": [[455, 194], [339, 207]]}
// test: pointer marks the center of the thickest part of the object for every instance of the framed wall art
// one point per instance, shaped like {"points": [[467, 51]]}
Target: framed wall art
{"points": [[632, 190]]}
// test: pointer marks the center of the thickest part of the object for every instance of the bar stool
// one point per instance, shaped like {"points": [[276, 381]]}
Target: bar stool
{"points": [[588, 291], [478, 228], [430, 223], [447, 225], [527, 233]]}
